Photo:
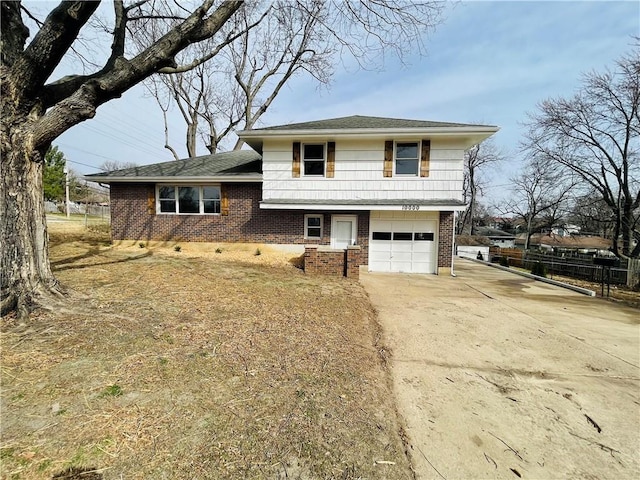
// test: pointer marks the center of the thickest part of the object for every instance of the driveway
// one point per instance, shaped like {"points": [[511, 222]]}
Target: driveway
{"points": [[499, 376]]}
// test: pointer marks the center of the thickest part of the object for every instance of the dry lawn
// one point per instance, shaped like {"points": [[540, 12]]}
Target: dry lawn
{"points": [[196, 364]]}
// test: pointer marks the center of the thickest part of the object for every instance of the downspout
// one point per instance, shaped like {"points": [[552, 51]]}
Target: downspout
{"points": [[453, 245]]}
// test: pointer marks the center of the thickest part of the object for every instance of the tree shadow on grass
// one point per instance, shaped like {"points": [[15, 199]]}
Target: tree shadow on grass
{"points": [[64, 263]]}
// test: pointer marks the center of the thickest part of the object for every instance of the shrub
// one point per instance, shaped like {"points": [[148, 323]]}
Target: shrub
{"points": [[141, 245], [504, 261], [258, 252], [177, 248], [218, 250], [539, 269]]}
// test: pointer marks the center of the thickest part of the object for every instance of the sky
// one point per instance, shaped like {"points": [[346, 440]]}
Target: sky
{"points": [[489, 62]]}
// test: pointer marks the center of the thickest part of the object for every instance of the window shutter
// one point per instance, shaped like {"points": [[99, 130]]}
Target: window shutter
{"points": [[388, 158], [331, 159], [296, 160], [425, 158], [151, 200], [224, 200]]}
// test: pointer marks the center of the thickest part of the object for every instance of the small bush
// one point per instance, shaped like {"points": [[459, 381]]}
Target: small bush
{"points": [[177, 248], [218, 250], [258, 252], [504, 261], [141, 245], [539, 269]]}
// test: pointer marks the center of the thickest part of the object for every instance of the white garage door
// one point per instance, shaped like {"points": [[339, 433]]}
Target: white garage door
{"points": [[406, 245]]}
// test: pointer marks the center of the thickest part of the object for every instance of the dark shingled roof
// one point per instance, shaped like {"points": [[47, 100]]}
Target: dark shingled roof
{"points": [[235, 163], [359, 121]]}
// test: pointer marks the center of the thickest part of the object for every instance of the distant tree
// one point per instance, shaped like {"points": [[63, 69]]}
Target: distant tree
{"points": [[53, 178], [591, 215], [595, 135], [110, 165], [539, 196], [477, 160]]}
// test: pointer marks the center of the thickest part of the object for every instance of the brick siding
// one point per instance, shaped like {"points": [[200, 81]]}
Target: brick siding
{"points": [[134, 217], [335, 262], [445, 239]]}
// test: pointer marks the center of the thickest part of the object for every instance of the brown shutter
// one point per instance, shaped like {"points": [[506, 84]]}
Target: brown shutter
{"points": [[151, 200], [425, 157], [331, 159], [224, 200], [388, 158], [295, 171]]}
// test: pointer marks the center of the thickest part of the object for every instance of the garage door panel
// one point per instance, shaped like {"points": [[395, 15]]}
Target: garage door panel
{"points": [[404, 243]]}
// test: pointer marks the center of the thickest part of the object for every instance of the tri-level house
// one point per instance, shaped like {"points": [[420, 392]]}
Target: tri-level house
{"points": [[389, 186]]}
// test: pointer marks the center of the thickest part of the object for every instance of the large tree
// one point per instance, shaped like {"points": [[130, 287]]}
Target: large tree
{"points": [[36, 109], [477, 161], [540, 193], [237, 87], [596, 136]]}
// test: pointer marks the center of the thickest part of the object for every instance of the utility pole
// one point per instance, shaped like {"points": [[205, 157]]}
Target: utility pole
{"points": [[66, 189]]}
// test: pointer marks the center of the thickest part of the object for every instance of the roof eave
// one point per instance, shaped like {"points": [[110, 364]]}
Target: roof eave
{"points": [[472, 135], [360, 132]]}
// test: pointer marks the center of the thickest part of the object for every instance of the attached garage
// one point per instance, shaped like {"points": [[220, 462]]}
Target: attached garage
{"points": [[401, 241]]}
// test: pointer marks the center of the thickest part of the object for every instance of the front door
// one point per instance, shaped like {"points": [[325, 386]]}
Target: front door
{"points": [[343, 230]]}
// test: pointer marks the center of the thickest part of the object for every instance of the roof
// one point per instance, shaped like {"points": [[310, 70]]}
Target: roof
{"points": [[358, 126], [233, 166], [361, 122], [494, 233], [569, 241]]}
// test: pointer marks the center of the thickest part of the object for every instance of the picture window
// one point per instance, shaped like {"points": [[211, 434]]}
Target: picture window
{"points": [[188, 199]]}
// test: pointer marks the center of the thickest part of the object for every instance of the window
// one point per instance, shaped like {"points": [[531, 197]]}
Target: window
{"points": [[402, 236], [313, 226], [189, 199], [381, 236], [423, 236], [313, 159], [407, 161]]}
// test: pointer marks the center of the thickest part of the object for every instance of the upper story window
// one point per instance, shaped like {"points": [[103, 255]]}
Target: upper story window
{"points": [[407, 160], [188, 199], [313, 159]]}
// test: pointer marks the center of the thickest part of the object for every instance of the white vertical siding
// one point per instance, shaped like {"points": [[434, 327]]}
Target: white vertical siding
{"points": [[358, 174]]}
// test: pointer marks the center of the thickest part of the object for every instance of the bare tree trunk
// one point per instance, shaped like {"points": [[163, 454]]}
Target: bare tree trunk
{"points": [[26, 273]]}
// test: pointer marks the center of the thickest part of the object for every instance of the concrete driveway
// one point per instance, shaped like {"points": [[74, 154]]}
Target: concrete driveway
{"points": [[499, 376]]}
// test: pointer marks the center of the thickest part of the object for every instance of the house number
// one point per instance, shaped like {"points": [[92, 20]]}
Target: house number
{"points": [[410, 207]]}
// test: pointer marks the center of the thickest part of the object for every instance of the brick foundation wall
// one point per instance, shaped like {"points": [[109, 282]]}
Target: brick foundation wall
{"points": [[334, 262], [133, 217], [445, 239]]}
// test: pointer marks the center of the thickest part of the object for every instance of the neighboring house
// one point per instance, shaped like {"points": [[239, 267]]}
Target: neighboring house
{"points": [[571, 243], [497, 237], [390, 186]]}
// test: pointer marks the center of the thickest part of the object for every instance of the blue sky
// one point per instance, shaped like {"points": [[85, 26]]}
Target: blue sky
{"points": [[488, 62]]}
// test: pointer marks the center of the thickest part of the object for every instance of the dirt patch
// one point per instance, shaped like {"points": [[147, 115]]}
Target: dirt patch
{"points": [[196, 364]]}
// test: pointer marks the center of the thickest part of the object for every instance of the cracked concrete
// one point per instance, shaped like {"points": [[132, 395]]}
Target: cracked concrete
{"points": [[499, 376]]}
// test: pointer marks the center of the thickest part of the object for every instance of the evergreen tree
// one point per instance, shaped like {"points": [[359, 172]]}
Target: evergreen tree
{"points": [[53, 177]]}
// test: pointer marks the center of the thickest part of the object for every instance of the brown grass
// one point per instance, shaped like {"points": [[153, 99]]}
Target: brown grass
{"points": [[193, 364]]}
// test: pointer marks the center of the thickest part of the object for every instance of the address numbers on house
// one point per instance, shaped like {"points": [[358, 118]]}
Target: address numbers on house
{"points": [[411, 207]]}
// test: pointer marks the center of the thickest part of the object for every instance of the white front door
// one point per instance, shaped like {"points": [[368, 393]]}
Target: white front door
{"points": [[343, 230]]}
